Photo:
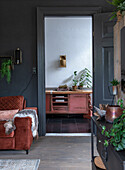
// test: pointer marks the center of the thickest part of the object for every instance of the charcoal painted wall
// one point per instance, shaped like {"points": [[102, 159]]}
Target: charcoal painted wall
{"points": [[18, 29]]}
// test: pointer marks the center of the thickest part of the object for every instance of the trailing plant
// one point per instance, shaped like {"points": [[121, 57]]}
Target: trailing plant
{"points": [[114, 82], [116, 135], [75, 80], [116, 4], [6, 69], [85, 78]]}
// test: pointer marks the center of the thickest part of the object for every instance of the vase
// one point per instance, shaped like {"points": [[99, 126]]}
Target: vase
{"points": [[113, 112], [114, 90], [80, 87]]}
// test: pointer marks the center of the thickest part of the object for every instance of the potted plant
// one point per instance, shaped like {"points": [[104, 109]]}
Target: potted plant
{"points": [[117, 11], [75, 81], [115, 84], [6, 69], [85, 79], [116, 135]]}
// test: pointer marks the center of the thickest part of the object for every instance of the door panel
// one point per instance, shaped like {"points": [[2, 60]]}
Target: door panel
{"points": [[103, 58]]}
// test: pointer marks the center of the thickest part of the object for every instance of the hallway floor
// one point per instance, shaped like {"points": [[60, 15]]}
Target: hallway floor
{"points": [[57, 153], [67, 124]]}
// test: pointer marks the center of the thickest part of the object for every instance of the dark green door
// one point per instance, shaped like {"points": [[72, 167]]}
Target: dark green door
{"points": [[103, 58]]}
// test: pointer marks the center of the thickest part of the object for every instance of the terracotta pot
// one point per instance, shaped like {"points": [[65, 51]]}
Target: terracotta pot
{"points": [[113, 112], [119, 16], [80, 87], [74, 88]]}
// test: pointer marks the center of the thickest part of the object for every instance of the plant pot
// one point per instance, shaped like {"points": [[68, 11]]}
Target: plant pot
{"points": [[80, 87], [114, 90], [74, 88], [113, 112], [119, 16]]}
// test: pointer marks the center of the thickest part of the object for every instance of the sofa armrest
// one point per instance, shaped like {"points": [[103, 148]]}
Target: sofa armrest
{"points": [[23, 133], [33, 108]]}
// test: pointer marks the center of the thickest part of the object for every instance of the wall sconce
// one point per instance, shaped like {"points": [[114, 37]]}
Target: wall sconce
{"points": [[62, 60], [17, 56]]}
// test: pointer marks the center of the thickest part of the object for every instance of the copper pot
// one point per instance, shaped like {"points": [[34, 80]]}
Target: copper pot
{"points": [[113, 112]]}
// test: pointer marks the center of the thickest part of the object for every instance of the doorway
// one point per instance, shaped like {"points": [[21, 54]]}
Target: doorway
{"points": [[41, 13], [69, 36]]}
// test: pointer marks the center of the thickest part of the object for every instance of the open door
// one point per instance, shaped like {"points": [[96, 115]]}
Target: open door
{"points": [[103, 58]]}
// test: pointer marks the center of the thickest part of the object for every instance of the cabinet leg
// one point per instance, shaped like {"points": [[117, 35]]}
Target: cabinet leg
{"points": [[27, 151]]}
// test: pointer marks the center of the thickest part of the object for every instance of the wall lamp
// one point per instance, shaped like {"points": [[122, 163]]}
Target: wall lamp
{"points": [[62, 60]]}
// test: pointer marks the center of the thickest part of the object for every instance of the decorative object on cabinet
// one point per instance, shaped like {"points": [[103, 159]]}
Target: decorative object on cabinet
{"points": [[99, 164], [62, 60], [63, 88], [113, 112], [75, 81], [115, 84], [6, 69], [85, 79], [17, 56], [100, 113]]}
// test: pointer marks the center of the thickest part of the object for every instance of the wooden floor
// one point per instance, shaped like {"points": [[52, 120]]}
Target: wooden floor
{"points": [[57, 153], [67, 124]]}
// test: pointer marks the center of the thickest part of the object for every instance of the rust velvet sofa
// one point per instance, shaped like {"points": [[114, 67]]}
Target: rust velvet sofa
{"points": [[21, 138]]}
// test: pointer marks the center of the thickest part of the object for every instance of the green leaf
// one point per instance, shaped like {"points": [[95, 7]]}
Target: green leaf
{"points": [[106, 143], [107, 134], [103, 127], [120, 147]]}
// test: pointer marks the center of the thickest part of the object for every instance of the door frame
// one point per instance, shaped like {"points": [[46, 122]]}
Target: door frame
{"points": [[42, 12]]}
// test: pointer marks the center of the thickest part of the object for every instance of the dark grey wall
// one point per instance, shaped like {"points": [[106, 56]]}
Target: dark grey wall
{"points": [[18, 29]]}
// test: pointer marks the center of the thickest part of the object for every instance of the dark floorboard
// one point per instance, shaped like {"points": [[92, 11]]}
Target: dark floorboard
{"points": [[67, 124]]}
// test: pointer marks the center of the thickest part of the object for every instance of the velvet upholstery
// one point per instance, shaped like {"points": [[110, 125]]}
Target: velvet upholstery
{"points": [[21, 138], [12, 102]]}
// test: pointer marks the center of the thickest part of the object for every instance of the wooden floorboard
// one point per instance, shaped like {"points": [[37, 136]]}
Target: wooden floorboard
{"points": [[57, 153]]}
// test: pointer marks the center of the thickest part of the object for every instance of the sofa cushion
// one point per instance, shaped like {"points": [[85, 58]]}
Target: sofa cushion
{"points": [[7, 114], [12, 102], [2, 131]]}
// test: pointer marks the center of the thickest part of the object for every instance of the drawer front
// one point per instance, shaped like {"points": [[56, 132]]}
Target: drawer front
{"points": [[78, 103], [60, 108], [108, 155]]}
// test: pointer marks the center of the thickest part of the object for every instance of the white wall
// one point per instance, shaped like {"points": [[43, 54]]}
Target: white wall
{"points": [[70, 36]]}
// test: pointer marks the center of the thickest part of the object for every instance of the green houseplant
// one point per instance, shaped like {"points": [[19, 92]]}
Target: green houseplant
{"points": [[116, 4], [116, 135], [75, 81], [85, 79], [114, 84], [6, 69]]}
